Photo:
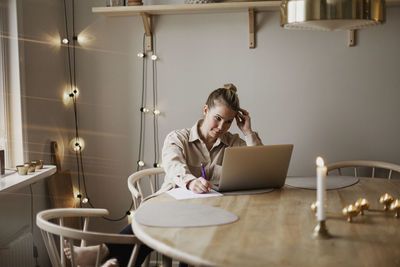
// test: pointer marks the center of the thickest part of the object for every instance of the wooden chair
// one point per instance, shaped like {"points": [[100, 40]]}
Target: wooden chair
{"points": [[134, 183], [364, 163], [51, 224]]}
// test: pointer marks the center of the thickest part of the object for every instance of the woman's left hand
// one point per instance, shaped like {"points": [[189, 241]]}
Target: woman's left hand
{"points": [[243, 121]]}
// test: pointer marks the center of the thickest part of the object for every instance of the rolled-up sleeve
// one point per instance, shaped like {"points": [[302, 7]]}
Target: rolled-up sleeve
{"points": [[249, 140], [174, 162]]}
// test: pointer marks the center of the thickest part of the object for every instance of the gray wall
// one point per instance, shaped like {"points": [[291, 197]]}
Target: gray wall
{"points": [[305, 88]]}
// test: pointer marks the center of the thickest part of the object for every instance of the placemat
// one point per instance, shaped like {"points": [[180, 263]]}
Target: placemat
{"points": [[248, 192], [332, 182], [182, 214]]}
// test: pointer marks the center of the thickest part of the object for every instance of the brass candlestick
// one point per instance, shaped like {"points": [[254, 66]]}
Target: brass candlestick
{"points": [[395, 206], [321, 231], [362, 204], [350, 211], [386, 200]]}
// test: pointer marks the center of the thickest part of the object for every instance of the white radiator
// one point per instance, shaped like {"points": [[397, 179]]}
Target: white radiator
{"points": [[18, 252]]}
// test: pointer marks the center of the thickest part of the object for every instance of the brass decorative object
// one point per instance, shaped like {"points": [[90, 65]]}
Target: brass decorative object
{"points": [[31, 166], [386, 200], [22, 169], [395, 206], [350, 211], [39, 164], [362, 204], [321, 231], [332, 15], [314, 206]]}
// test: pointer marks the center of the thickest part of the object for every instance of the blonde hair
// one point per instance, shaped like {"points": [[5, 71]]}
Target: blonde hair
{"points": [[226, 95]]}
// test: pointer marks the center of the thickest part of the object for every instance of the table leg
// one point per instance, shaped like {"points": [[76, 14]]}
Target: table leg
{"points": [[167, 261]]}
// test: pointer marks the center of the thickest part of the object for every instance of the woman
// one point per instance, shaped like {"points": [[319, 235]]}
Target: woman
{"points": [[183, 153]]}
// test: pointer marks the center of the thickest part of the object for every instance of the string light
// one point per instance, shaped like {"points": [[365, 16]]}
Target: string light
{"points": [[140, 163], [157, 112], [85, 200], [141, 55], [65, 41], [77, 144], [144, 110], [154, 57], [156, 165], [129, 215]]}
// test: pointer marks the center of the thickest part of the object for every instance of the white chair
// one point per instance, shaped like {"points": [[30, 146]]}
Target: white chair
{"points": [[134, 183], [52, 232], [364, 163]]}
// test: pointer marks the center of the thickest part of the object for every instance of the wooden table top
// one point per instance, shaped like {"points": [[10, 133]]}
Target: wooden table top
{"points": [[276, 229]]}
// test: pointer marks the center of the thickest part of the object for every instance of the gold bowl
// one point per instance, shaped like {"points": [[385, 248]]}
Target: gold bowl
{"points": [[362, 204], [22, 169], [386, 200], [350, 211], [39, 164]]}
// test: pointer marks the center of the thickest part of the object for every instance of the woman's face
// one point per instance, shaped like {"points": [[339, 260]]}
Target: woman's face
{"points": [[218, 119]]}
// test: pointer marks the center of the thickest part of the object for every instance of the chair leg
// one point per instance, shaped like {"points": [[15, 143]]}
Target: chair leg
{"points": [[146, 262], [166, 261], [134, 255]]}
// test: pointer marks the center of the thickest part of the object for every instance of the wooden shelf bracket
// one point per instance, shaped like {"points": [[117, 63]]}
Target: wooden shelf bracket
{"points": [[252, 37], [147, 28], [352, 38]]}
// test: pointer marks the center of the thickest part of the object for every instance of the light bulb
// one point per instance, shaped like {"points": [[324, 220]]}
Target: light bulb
{"points": [[85, 200], [140, 54], [77, 144], [156, 165], [140, 163], [65, 41], [145, 110], [154, 57], [156, 112]]}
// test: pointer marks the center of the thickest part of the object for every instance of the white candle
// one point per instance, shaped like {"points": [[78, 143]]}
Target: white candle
{"points": [[321, 189]]}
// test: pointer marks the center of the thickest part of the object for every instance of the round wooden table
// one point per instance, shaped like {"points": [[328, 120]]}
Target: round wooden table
{"points": [[276, 229]]}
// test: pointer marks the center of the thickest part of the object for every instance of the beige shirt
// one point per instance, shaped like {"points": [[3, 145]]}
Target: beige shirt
{"points": [[184, 151]]}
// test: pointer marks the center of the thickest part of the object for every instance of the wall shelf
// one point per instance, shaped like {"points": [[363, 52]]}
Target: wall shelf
{"points": [[228, 7], [146, 11]]}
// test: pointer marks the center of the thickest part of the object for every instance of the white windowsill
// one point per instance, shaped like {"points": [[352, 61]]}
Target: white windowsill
{"points": [[12, 180]]}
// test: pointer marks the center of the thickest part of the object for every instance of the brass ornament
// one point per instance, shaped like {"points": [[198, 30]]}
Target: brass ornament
{"points": [[362, 204], [395, 206], [350, 211], [386, 200], [314, 206]]}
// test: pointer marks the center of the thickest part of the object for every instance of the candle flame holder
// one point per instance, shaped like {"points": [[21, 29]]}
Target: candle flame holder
{"points": [[350, 211], [362, 204], [395, 206], [321, 231], [314, 206], [386, 200]]}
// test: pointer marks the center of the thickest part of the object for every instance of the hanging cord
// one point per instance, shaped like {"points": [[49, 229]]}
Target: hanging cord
{"points": [[155, 117]]}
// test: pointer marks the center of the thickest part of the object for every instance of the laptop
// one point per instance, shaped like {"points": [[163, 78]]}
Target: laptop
{"points": [[254, 167]]}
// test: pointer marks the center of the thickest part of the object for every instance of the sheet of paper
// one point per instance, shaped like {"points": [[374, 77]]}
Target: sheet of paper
{"points": [[181, 193]]}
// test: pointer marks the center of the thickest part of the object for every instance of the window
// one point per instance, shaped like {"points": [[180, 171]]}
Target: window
{"points": [[10, 93]]}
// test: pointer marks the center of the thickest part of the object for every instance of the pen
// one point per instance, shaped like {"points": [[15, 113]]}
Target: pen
{"points": [[202, 171]]}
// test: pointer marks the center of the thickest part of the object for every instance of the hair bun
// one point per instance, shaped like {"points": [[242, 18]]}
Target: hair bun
{"points": [[230, 86]]}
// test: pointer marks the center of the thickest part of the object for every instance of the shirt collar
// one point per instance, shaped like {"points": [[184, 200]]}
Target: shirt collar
{"points": [[194, 135]]}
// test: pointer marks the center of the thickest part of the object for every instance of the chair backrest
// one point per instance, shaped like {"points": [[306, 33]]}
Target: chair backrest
{"points": [[136, 188], [364, 163], [51, 224]]}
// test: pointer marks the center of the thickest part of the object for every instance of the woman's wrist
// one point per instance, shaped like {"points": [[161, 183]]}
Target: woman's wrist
{"points": [[248, 132]]}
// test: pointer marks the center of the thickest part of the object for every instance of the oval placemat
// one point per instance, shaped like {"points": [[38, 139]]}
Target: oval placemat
{"points": [[182, 214], [332, 182]]}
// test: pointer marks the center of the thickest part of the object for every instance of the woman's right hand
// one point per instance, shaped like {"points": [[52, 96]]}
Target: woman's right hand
{"points": [[199, 185]]}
